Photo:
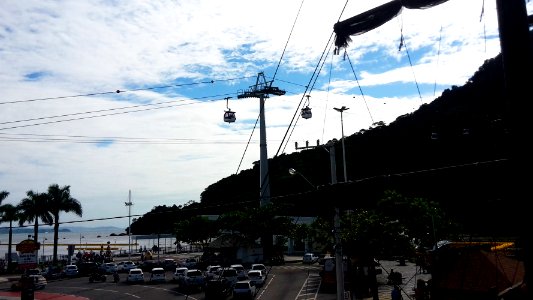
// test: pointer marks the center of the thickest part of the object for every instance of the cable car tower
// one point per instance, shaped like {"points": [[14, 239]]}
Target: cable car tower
{"points": [[262, 89]]}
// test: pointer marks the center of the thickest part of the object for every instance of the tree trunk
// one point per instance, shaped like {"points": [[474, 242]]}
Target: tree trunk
{"points": [[9, 261], [56, 237]]}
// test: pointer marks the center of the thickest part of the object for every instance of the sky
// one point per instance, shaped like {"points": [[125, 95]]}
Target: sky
{"points": [[163, 136]]}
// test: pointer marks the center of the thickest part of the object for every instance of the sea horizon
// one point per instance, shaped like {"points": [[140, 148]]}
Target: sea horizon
{"points": [[86, 239]]}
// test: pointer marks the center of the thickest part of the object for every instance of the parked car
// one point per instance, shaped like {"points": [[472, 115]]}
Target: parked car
{"points": [[109, 267], [241, 272], [125, 266], [169, 264], [229, 274], [189, 263], [158, 275], [37, 282], [212, 271], [87, 268], [135, 275], [148, 265], [256, 277], [217, 289], [193, 279], [310, 258], [179, 273], [244, 289], [34, 271], [258, 267], [52, 273], [71, 271]]}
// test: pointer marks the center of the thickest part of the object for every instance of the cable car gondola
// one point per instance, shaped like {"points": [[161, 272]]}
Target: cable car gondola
{"points": [[229, 116], [306, 111]]}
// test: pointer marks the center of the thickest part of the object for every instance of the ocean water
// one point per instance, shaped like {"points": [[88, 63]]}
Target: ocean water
{"points": [[87, 241]]}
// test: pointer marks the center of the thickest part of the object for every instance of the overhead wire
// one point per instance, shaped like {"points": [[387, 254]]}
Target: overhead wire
{"points": [[318, 66], [359, 85], [403, 45], [121, 91]]}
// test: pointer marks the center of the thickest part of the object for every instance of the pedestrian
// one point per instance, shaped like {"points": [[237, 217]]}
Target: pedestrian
{"points": [[420, 290], [396, 294]]}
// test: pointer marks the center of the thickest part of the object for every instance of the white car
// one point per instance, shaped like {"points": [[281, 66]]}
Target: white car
{"points": [[193, 279], [241, 272], [309, 258], [158, 275], [71, 271], [212, 271], [256, 277], [258, 267], [244, 289], [179, 273], [125, 266], [135, 275]]}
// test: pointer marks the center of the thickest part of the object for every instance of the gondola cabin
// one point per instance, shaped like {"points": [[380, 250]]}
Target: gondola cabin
{"points": [[229, 116], [306, 112]]}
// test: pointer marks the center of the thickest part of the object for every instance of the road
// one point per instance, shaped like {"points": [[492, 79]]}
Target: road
{"points": [[284, 282]]}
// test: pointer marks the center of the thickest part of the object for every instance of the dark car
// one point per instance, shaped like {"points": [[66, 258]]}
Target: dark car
{"points": [[88, 267], [52, 273], [148, 265], [218, 289]]}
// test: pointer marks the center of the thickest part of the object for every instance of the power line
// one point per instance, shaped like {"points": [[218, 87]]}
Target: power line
{"points": [[121, 91]]}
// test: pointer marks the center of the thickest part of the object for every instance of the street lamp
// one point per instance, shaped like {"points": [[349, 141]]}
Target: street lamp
{"points": [[129, 204], [293, 172], [342, 109]]}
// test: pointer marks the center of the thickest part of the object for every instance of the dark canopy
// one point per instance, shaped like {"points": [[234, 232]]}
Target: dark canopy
{"points": [[374, 18]]}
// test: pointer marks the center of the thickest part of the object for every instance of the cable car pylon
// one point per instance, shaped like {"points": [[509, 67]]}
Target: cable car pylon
{"points": [[262, 89]]}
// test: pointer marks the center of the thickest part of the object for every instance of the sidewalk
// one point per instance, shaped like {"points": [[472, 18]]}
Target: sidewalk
{"points": [[409, 278]]}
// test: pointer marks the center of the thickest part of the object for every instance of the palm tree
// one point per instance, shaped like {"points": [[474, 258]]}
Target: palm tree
{"points": [[61, 201], [8, 213], [35, 207]]}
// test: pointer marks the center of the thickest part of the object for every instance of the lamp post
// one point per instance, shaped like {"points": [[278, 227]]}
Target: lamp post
{"points": [[341, 110], [129, 204], [293, 172]]}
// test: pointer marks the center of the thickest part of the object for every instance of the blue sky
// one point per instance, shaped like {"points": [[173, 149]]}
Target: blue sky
{"points": [[163, 137]]}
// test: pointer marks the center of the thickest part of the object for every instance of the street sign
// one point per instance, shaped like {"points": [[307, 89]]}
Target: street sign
{"points": [[27, 260]]}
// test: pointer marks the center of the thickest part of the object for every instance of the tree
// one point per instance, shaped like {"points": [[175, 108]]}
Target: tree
{"points": [[34, 208], [60, 200], [195, 230], [8, 213]]}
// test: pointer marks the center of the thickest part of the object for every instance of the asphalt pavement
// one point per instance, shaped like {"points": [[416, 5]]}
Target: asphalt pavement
{"points": [[408, 271]]}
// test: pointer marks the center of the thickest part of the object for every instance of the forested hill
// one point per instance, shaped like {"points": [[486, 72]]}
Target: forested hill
{"points": [[453, 150]]}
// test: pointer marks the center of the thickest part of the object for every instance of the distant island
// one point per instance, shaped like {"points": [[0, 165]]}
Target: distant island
{"points": [[29, 230]]}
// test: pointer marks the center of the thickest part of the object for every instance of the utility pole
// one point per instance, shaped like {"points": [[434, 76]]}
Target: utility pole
{"points": [[129, 204], [339, 269], [515, 45]]}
